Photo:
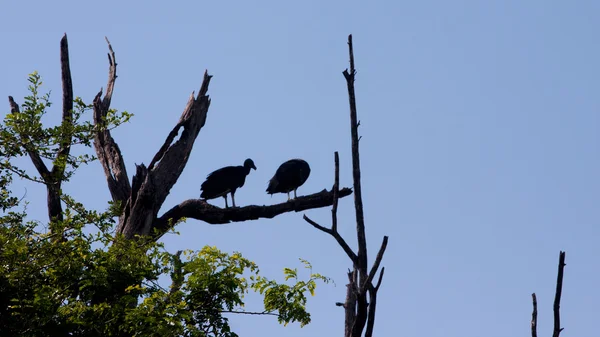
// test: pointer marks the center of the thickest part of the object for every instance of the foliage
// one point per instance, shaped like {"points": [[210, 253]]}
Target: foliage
{"points": [[81, 280], [24, 131]]}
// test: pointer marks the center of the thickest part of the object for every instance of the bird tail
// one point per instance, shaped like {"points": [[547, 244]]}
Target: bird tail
{"points": [[272, 185]]}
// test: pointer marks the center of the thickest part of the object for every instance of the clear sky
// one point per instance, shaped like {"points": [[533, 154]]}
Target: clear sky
{"points": [[480, 124]]}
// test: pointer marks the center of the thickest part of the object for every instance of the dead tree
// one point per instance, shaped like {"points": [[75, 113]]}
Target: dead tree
{"points": [[559, 282], [142, 198], [361, 293]]}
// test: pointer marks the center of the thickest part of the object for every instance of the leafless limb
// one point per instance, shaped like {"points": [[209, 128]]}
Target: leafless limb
{"points": [[350, 304], [377, 261], [372, 307], [359, 313], [201, 210], [336, 236], [559, 282], [534, 316], [67, 113], [358, 204], [380, 278], [107, 150], [152, 185], [333, 231], [336, 188], [250, 312]]}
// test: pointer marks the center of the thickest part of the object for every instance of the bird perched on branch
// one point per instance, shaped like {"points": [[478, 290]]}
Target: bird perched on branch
{"points": [[289, 176], [226, 180]]}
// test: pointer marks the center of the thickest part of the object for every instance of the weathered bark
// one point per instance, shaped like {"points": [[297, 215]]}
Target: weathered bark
{"points": [[350, 304], [107, 150], [359, 312]]}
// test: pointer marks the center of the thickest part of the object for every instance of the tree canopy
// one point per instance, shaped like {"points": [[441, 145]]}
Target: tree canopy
{"points": [[78, 276]]}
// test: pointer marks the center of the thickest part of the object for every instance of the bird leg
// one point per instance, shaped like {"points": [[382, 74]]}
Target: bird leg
{"points": [[233, 199], [225, 197], [295, 197], [288, 196]]}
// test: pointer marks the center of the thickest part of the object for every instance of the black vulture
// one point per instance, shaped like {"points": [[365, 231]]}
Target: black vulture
{"points": [[289, 176], [226, 180]]}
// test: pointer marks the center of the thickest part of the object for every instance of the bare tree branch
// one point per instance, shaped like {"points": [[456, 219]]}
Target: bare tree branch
{"points": [[107, 150], [170, 160], [380, 279], [361, 316], [156, 181], [201, 210], [337, 237], [336, 187], [377, 262], [350, 304], [250, 312], [112, 76], [559, 282], [67, 114], [358, 204], [333, 231], [358, 311], [372, 309], [534, 317]]}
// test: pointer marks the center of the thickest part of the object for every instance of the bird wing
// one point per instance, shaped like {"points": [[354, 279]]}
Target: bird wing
{"points": [[216, 176]]}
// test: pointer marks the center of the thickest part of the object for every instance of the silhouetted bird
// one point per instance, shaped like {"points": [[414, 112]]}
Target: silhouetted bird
{"points": [[226, 180], [289, 176]]}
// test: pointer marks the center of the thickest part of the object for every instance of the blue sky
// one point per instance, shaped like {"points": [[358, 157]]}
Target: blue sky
{"points": [[480, 124]]}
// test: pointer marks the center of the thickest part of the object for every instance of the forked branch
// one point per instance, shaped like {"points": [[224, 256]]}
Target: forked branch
{"points": [[333, 231], [359, 312], [153, 184], [107, 150]]}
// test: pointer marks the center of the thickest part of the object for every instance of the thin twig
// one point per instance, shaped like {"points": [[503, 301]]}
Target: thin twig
{"points": [[380, 278], [337, 237], [377, 262], [250, 313], [559, 282], [534, 317]]}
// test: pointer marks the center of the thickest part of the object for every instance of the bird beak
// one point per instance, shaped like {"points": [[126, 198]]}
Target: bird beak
{"points": [[254, 167]]}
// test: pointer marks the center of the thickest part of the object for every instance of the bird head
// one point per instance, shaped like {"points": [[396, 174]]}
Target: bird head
{"points": [[248, 163]]}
